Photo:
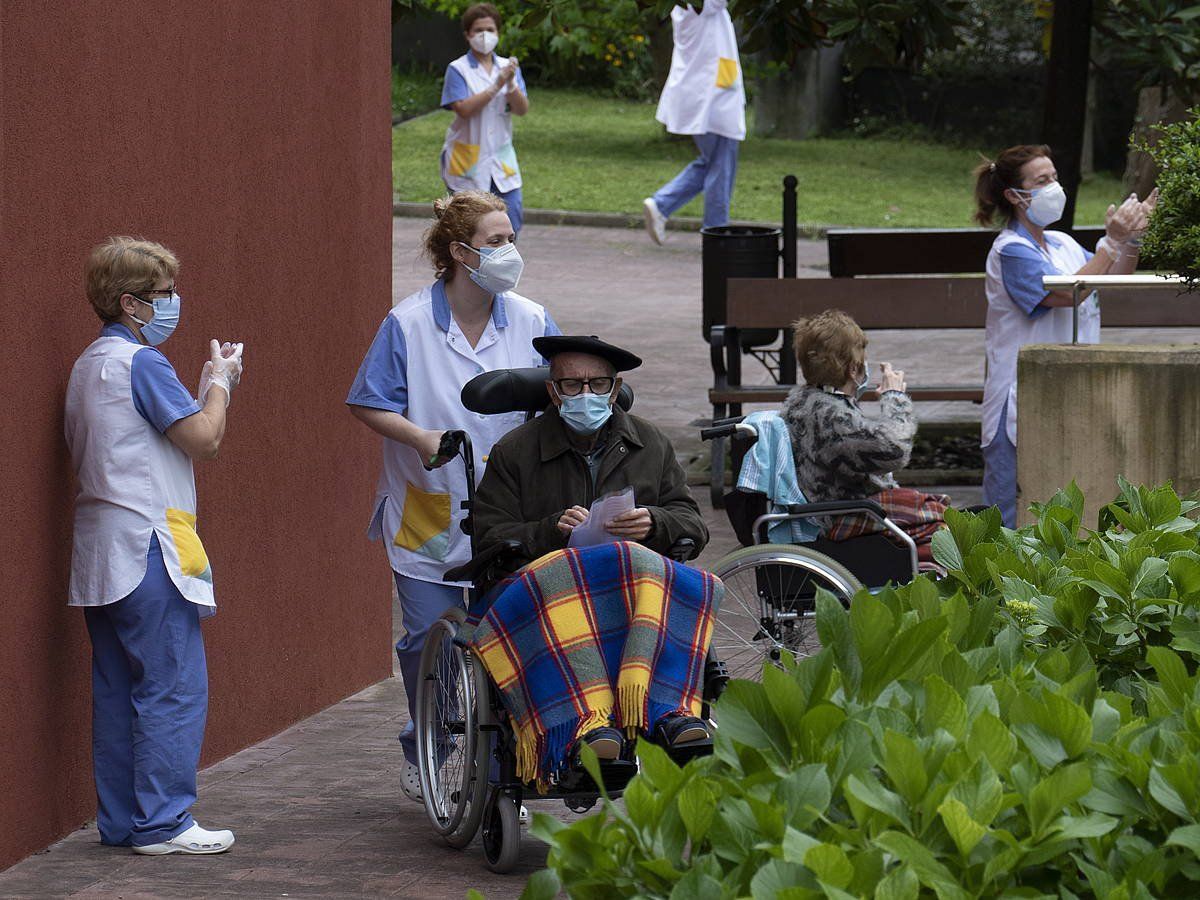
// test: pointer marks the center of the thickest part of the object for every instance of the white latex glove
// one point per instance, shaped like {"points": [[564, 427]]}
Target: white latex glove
{"points": [[1122, 222], [223, 369]]}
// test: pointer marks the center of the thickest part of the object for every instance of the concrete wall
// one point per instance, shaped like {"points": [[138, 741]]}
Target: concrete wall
{"points": [[252, 137], [1091, 413]]}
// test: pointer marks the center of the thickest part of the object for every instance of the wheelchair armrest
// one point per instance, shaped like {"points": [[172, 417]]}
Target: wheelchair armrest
{"points": [[683, 550], [836, 507], [483, 566]]}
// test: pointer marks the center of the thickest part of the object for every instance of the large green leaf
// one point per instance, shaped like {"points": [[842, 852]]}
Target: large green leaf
{"points": [[963, 829], [928, 869], [696, 808], [900, 884], [830, 864], [1172, 674], [1057, 791], [866, 789], [904, 765], [1052, 727]]}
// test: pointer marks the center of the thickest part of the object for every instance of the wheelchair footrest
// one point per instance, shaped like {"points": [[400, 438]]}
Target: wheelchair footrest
{"points": [[681, 754], [615, 774]]}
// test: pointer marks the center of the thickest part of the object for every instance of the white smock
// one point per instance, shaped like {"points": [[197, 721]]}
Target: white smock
{"points": [[704, 93], [1009, 327], [133, 482], [479, 150], [418, 513]]}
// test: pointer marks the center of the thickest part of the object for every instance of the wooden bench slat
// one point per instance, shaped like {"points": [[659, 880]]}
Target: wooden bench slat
{"points": [[917, 251], [771, 393], [941, 302]]}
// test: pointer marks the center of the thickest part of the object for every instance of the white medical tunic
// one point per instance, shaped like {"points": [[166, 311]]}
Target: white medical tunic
{"points": [[704, 93], [417, 367], [479, 150], [1015, 266], [133, 482]]}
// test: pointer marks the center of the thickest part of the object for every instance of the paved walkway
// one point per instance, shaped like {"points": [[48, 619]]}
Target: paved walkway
{"points": [[317, 809]]}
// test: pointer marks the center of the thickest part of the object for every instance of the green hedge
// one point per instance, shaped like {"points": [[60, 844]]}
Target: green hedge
{"points": [[1027, 727]]}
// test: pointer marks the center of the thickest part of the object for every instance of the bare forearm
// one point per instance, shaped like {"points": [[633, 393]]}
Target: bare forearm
{"points": [[518, 103], [389, 424], [199, 435]]}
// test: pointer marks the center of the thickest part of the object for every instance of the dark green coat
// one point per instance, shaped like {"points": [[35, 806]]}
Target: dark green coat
{"points": [[533, 475]]}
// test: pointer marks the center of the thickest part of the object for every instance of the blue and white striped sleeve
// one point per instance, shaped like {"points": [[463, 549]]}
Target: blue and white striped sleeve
{"points": [[1021, 270], [382, 379]]}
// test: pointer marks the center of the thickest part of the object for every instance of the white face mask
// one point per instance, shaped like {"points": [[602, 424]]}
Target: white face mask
{"points": [[499, 269], [1046, 204], [484, 41]]}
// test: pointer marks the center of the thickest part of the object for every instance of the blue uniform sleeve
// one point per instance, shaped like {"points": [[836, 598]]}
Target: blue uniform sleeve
{"points": [[1021, 269], [551, 326], [454, 88], [158, 395], [382, 379]]}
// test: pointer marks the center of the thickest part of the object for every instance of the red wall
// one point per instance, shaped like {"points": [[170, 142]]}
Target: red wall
{"points": [[251, 137]]}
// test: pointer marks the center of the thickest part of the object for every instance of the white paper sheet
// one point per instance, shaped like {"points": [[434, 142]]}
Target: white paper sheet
{"points": [[605, 509]]}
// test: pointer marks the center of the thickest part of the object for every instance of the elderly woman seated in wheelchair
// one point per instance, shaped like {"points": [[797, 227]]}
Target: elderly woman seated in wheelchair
{"points": [[815, 504], [600, 638]]}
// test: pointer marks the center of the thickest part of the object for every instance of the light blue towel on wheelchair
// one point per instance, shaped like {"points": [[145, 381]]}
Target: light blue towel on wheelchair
{"points": [[770, 469]]}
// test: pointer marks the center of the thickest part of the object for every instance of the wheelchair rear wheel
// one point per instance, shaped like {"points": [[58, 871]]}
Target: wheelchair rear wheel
{"points": [[452, 753], [770, 604]]}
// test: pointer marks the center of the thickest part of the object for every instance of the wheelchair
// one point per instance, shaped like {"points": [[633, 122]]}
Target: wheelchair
{"points": [[769, 607], [466, 747]]}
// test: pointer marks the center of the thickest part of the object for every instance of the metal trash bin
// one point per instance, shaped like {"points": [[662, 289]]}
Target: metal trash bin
{"points": [[735, 251]]}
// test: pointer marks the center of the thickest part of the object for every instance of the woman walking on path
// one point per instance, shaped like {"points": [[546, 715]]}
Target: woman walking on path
{"points": [[470, 320], [704, 97], [484, 91]]}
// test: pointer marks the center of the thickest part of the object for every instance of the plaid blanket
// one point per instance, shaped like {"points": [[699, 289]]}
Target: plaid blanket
{"points": [[613, 634], [918, 514]]}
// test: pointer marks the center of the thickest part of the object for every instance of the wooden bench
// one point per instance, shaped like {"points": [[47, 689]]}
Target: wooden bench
{"points": [[927, 302]]}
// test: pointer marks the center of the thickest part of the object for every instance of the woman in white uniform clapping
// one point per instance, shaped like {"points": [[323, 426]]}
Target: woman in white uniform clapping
{"points": [[1021, 188]]}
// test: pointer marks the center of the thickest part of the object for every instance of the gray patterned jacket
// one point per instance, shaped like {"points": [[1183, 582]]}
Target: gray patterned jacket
{"points": [[842, 453]]}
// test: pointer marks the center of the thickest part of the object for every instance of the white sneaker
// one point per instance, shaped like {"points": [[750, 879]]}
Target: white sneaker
{"points": [[410, 782], [195, 840], [656, 222], [523, 815]]}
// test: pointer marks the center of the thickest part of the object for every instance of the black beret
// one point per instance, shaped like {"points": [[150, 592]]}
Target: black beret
{"points": [[552, 344]]}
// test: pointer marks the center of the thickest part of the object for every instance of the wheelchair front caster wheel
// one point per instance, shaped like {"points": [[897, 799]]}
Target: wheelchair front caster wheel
{"points": [[501, 834]]}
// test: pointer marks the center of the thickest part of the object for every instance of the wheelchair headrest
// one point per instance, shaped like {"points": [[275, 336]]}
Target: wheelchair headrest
{"points": [[517, 390]]}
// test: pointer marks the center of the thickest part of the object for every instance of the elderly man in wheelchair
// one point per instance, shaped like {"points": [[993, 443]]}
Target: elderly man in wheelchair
{"points": [[579, 632]]}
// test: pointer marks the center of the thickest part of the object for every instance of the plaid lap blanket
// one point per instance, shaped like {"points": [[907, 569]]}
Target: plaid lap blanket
{"points": [[918, 514], [613, 634]]}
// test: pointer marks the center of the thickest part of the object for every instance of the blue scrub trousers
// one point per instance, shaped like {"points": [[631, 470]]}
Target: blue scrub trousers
{"points": [[149, 703], [712, 173], [515, 204], [423, 603], [1000, 473]]}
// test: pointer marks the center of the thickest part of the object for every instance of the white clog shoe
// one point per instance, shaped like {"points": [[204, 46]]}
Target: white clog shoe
{"points": [[195, 840]]}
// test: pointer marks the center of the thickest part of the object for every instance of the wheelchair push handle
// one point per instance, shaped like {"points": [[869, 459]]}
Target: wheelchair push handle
{"points": [[452, 441], [729, 428]]}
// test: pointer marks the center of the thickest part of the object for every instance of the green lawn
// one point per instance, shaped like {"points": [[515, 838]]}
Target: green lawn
{"points": [[581, 152]]}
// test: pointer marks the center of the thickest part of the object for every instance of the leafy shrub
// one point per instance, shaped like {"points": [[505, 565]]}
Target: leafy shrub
{"points": [[415, 92], [1027, 727], [566, 42], [1173, 239]]}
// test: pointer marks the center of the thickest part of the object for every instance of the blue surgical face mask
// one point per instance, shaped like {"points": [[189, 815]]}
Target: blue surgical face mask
{"points": [[861, 387], [166, 318], [585, 413]]}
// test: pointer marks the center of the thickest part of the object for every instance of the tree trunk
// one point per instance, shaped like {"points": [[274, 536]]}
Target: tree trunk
{"points": [[1153, 109], [804, 100]]}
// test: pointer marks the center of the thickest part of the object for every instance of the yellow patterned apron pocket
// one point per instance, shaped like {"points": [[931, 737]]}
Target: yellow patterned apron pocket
{"points": [[425, 524], [727, 72], [506, 156], [193, 561], [463, 158]]}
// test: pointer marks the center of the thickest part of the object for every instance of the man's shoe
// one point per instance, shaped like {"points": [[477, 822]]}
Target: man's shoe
{"points": [[607, 743], [410, 782], [678, 731], [656, 222], [195, 840]]}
